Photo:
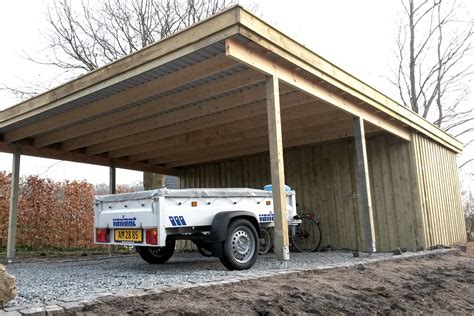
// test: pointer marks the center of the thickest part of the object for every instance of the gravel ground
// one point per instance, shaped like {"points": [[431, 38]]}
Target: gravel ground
{"points": [[44, 282]]}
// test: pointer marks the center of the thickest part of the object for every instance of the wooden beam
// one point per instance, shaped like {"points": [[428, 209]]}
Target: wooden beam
{"points": [[146, 90], [82, 158], [214, 115], [148, 107], [112, 180], [228, 102], [270, 39], [245, 128], [112, 190], [295, 138], [225, 117], [292, 77], [366, 216], [12, 217], [281, 239], [294, 122], [145, 115]]}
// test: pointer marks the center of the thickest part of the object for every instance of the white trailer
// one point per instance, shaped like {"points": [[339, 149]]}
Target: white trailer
{"points": [[224, 223]]}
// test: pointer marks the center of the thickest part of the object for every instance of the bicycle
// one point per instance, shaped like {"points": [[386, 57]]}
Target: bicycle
{"points": [[304, 234]]}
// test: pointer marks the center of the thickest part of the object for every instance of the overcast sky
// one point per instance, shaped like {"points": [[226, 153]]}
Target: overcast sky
{"points": [[358, 36]]}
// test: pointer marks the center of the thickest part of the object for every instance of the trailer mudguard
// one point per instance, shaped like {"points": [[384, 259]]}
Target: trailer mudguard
{"points": [[221, 222]]}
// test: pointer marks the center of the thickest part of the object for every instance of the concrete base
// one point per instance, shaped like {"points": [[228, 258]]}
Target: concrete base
{"points": [[284, 264], [358, 254], [397, 252]]}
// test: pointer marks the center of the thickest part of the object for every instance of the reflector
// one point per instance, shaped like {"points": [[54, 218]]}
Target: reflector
{"points": [[102, 235], [152, 236]]}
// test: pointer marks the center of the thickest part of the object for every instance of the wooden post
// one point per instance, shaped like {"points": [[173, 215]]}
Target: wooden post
{"points": [[277, 170], [112, 190], [15, 186], [112, 180], [366, 217]]}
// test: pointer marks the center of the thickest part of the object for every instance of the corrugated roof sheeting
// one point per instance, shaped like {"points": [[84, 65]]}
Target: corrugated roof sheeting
{"points": [[195, 57], [194, 84]]}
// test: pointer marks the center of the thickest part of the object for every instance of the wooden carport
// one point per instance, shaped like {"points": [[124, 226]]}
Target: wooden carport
{"points": [[228, 87]]}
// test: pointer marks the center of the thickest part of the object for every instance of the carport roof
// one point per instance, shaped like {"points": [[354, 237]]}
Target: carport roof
{"points": [[199, 96]]}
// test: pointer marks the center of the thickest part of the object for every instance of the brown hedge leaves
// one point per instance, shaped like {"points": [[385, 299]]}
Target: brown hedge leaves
{"points": [[50, 214]]}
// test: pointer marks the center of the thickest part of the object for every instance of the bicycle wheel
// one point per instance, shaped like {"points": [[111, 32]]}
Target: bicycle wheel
{"points": [[307, 237]]}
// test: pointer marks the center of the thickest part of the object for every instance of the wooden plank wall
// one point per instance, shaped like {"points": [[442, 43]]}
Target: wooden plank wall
{"points": [[393, 195], [440, 193], [325, 182], [323, 177]]}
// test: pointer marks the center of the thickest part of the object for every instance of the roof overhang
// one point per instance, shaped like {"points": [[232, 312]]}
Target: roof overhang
{"points": [[199, 96]]}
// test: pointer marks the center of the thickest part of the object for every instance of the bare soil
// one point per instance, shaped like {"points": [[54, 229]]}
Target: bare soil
{"points": [[431, 284]]}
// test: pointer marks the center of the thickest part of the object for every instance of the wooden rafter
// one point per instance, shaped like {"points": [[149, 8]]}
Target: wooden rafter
{"points": [[299, 118], [198, 71], [145, 113], [80, 157], [249, 121], [225, 117], [261, 62], [304, 136]]}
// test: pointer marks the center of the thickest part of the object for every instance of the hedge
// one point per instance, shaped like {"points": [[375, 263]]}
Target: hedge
{"points": [[51, 214]]}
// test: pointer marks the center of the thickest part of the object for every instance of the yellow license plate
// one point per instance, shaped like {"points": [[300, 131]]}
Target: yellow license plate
{"points": [[134, 235]]}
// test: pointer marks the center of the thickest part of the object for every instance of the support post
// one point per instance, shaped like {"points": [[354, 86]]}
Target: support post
{"points": [[112, 190], [15, 186], [277, 170], [366, 217], [112, 180]]}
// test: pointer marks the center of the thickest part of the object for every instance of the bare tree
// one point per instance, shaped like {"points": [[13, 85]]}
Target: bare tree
{"points": [[435, 70], [434, 73], [91, 35], [84, 37]]}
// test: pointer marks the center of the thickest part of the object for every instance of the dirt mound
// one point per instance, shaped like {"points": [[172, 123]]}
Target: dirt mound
{"points": [[432, 284]]}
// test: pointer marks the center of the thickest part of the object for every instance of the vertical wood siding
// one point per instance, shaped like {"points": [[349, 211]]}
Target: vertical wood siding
{"points": [[392, 193], [323, 177], [440, 193]]}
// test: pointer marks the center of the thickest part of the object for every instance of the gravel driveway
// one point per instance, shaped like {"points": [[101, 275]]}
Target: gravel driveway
{"points": [[50, 281]]}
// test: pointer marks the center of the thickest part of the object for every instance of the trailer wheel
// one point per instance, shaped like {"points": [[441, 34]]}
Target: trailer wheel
{"points": [[265, 241], [240, 246], [157, 255]]}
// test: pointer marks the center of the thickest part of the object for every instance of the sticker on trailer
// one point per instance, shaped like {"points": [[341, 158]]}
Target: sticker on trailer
{"points": [[177, 220], [265, 218], [124, 221]]}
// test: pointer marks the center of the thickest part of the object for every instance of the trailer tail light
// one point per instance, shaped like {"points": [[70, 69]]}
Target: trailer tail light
{"points": [[152, 236], [102, 235]]}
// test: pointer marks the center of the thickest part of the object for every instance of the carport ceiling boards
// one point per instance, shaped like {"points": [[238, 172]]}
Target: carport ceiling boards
{"points": [[199, 96]]}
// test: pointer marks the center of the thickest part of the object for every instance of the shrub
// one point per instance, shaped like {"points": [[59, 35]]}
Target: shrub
{"points": [[50, 214]]}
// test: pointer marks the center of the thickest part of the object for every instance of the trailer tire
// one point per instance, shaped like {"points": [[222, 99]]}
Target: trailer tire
{"points": [[240, 248], [265, 240], [157, 255]]}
